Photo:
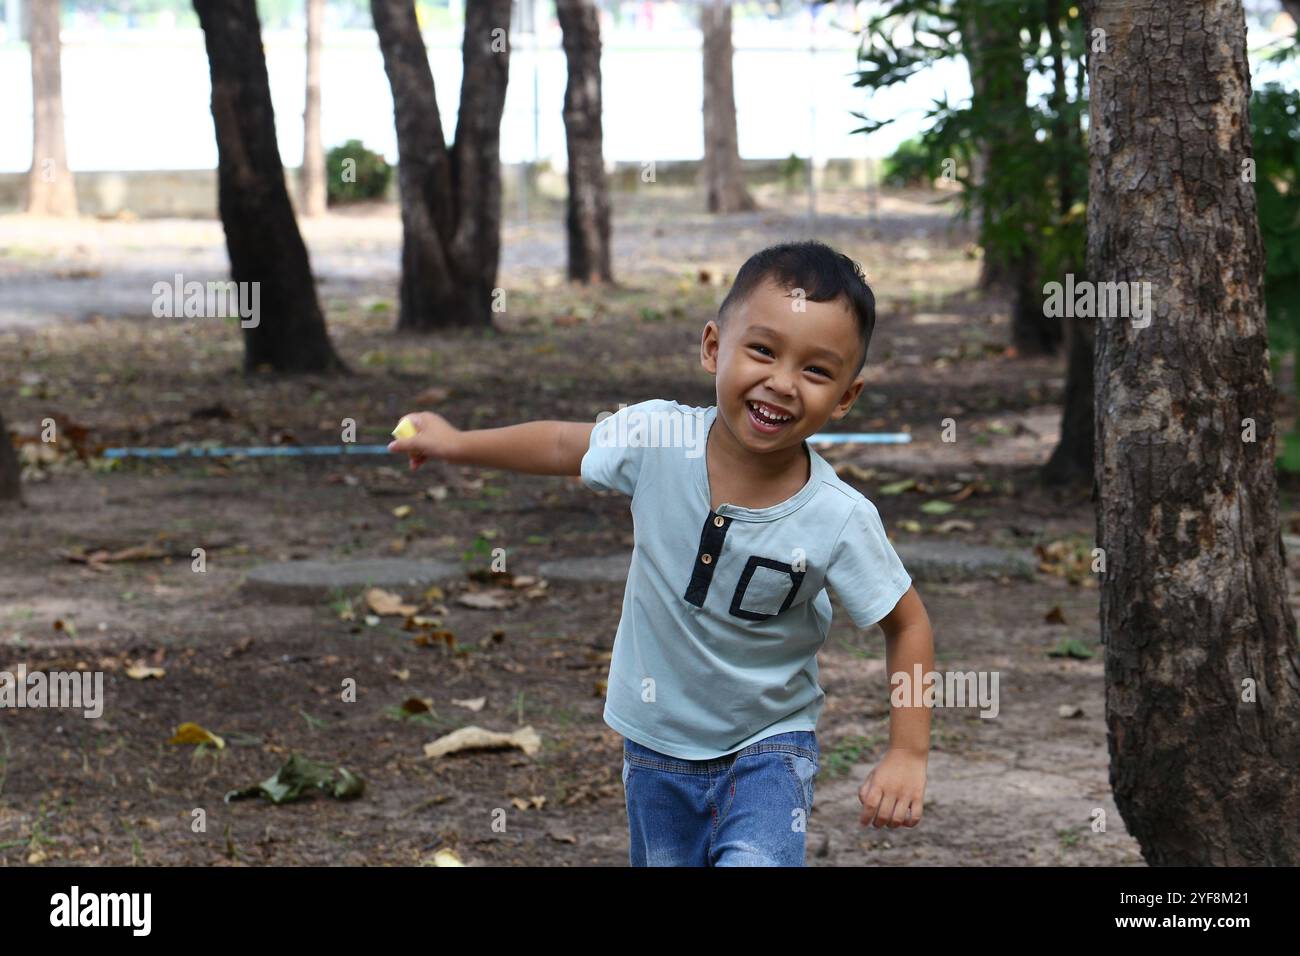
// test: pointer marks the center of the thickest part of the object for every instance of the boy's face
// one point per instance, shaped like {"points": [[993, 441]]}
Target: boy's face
{"points": [[796, 363]]}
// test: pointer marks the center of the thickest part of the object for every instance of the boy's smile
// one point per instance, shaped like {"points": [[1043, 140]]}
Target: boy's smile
{"points": [[781, 373]]}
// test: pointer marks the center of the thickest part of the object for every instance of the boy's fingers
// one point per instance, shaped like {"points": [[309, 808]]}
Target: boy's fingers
{"points": [[870, 804]]}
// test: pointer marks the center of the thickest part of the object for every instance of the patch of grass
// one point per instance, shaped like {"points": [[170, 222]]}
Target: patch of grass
{"points": [[1069, 839], [315, 723], [850, 751]]}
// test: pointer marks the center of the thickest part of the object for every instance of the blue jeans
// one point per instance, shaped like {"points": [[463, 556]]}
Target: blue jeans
{"points": [[749, 808]]}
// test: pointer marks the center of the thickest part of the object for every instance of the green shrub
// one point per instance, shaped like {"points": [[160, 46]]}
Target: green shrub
{"points": [[355, 173], [1275, 129], [910, 165]]}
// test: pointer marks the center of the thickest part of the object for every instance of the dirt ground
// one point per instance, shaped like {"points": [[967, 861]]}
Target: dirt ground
{"points": [[1018, 789]]}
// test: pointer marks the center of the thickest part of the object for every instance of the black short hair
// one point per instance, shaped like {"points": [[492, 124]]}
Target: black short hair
{"points": [[824, 274]]}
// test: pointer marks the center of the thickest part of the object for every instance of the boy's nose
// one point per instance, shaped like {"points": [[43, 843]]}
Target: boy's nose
{"points": [[782, 382]]}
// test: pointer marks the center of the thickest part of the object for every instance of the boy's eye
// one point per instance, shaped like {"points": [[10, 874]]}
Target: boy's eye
{"points": [[763, 349]]}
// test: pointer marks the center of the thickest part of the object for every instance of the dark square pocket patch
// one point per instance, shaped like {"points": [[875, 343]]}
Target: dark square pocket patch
{"points": [[766, 588]]}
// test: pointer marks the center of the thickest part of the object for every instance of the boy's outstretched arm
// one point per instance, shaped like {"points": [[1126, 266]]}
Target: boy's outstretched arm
{"points": [[894, 790], [539, 448]]}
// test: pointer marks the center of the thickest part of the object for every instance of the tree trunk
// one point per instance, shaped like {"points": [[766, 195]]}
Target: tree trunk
{"points": [[1061, 132], [999, 85], [724, 179], [451, 200], [10, 471], [588, 212], [50, 191], [311, 183], [1072, 461], [1202, 663], [262, 238]]}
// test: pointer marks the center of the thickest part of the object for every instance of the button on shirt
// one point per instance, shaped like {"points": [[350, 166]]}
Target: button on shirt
{"points": [[724, 610]]}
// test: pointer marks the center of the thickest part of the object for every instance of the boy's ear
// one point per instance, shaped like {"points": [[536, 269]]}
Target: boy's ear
{"points": [[848, 398], [709, 347]]}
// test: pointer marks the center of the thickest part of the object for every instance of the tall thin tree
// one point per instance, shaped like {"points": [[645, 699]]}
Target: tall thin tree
{"points": [[10, 472], [1202, 661], [451, 199], [262, 237], [724, 178], [50, 190], [1073, 461], [587, 220], [311, 183]]}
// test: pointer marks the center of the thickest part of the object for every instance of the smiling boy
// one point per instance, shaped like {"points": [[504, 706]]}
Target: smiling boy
{"points": [[713, 682]]}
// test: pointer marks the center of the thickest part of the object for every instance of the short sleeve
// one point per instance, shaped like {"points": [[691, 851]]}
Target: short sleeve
{"points": [[865, 573], [617, 449]]}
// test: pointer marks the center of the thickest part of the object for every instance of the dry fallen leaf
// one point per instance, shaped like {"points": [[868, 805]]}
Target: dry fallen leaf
{"points": [[402, 675], [432, 638], [194, 734], [529, 803], [446, 858], [954, 524], [433, 395], [1055, 616], [141, 671], [240, 646], [471, 738], [473, 703], [417, 705], [386, 602], [401, 511], [855, 472], [420, 620], [494, 600]]}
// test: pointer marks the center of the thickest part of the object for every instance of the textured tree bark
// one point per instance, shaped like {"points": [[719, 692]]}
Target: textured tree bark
{"points": [[724, 179], [1194, 597], [262, 235], [451, 200], [311, 183], [588, 208], [50, 190], [10, 471]]}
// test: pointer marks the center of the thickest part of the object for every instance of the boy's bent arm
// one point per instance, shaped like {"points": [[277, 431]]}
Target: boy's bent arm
{"points": [[539, 448]]}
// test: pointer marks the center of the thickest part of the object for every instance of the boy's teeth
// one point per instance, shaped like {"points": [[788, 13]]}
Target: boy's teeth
{"points": [[765, 413]]}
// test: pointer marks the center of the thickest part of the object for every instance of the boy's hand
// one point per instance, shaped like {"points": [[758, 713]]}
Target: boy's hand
{"points": [[435, 437], [896, 784]]}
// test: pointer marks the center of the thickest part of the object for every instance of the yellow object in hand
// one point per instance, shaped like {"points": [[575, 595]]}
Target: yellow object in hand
{"points": [[405, 429]]}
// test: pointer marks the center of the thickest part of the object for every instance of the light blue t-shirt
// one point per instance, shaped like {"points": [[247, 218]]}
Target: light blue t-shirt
{"points": [[724, 611]]}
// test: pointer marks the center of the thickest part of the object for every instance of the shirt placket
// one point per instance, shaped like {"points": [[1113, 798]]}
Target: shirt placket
{"points": [[706, 557]]}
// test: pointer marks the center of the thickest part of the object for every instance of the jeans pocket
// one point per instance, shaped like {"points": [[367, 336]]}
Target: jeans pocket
{"points": [[803, 773]]}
